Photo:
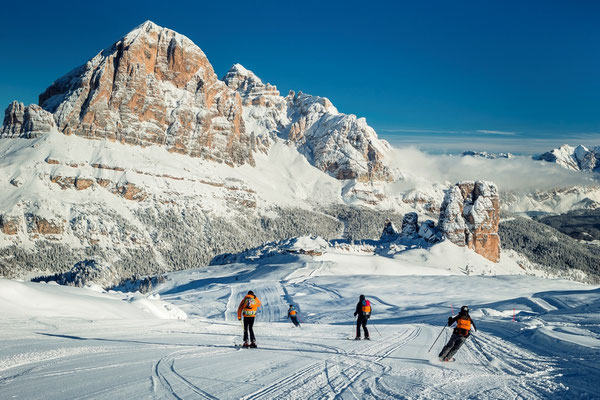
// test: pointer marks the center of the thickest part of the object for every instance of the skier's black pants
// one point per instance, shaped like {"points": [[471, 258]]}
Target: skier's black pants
{"points": [[456, 340], [362, 321], [248, 324], [294, 320]]}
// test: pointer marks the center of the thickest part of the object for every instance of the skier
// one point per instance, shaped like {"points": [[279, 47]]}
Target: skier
{"points": [[248, 307], [293, 315], [363, 310], [459, 335]]}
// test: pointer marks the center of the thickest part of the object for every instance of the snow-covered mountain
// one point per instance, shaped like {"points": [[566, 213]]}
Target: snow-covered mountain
{"points": [[578, 158], [340, 144], [143, 160], [485, 154]]}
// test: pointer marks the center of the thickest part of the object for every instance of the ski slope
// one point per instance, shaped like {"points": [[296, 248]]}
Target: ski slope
{"points": [[180, 342]]}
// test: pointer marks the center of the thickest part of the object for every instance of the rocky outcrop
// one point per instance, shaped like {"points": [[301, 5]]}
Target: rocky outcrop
{"points": [[389, 231], [410, 225], [341, 145], [26, 122], [40, 225], [9, 225], [470, 215], [429, 232], [411, 232], [152, 87]]}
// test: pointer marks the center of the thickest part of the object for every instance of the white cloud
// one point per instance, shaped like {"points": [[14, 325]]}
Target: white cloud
{"points": [[520, 174], [501, 133], [516, 144]]}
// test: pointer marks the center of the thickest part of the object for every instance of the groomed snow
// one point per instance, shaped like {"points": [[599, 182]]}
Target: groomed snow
{"points": [[538, 338]]}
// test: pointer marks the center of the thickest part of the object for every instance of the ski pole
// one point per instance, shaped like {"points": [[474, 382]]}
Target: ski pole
{"points": [[374, 326], [436, 339], [480, 349]]}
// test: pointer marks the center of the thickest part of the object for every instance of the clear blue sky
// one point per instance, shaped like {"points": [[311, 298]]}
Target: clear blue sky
{"points": [[501, 69]]}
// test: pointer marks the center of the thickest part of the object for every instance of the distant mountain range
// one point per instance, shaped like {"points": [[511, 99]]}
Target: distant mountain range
{"points": [[578, 158]]}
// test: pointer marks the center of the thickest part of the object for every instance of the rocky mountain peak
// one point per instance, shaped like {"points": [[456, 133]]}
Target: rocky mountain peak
{"points": [[152, 87], [155, 87], [252, 90]]}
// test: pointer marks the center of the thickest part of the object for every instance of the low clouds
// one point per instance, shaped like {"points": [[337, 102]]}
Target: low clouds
{"points": [[519, 174], [488, 140]]}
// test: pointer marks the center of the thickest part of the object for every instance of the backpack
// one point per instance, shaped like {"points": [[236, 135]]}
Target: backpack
{"points": [[463, 325], [366, 308], [249, 302]]}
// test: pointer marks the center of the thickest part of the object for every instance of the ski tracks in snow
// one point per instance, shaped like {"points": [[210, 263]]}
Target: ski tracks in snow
{"points": [[270, 294], [337, 374], [167, 382]]}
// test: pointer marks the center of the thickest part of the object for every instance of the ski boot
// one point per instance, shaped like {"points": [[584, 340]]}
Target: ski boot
{"points": [[357, 338], [253, 345], [367, 338], [245, 345]]}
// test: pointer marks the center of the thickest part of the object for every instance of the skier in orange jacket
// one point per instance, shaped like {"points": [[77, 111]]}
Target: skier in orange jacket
{"points": [[247, 308], [459, 335]]}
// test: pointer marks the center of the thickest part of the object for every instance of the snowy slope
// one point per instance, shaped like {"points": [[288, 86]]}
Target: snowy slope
{"points": [[550, 349]]}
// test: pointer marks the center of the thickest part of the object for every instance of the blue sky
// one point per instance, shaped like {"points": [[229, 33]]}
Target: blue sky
{"points": [[437, 74]]}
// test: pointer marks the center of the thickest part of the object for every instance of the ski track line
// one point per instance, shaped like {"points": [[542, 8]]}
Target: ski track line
{"points": [[168, 362], [387, 350], [525, 368], [331, 375], [164, 383], [522, 372]]}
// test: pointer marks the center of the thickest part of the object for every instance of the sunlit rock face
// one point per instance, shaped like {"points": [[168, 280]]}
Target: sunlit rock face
{"points": [[470, 215], [152, 87]]}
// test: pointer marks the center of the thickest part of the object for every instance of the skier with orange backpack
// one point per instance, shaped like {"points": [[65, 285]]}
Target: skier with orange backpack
{"points": [[459, 335], [363, 310], [293, 315], [247, 308]]}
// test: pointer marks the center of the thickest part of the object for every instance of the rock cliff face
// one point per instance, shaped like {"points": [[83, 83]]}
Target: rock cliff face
{"points": [[342, 145], [470, 215], [156, 87], [153, 87]]}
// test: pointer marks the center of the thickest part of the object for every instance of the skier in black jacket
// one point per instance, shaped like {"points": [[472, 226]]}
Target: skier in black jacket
{"points": [[459, 335], [363, 310]]}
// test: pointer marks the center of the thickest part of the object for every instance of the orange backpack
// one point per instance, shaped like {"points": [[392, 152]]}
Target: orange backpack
{"points": [[366, 308], [463, 324]]}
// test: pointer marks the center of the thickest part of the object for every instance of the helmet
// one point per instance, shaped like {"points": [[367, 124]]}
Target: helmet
{"points": [[362, 297], [251, 292], [464, 309]]}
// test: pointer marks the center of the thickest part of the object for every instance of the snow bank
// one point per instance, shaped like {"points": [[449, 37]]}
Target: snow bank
{"points": [[50, 300]]}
